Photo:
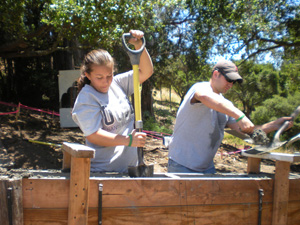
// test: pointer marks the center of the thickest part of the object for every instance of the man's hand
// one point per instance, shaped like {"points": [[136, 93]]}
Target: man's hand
{"points": [[279, 122], [246, 126]]}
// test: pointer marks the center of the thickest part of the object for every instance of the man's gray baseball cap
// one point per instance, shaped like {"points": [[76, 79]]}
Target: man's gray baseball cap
{"points": [[229, 70]]}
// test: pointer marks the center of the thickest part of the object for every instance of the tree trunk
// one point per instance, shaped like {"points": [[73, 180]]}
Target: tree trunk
{"points": [[146, 98], [63, 60]]}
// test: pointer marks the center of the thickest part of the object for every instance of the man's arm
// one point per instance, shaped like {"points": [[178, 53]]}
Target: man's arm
{"points": [[217, 103], [267, 127]]}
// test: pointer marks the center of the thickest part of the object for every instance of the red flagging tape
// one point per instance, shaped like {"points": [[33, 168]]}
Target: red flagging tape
{"points": [[26, 107]]}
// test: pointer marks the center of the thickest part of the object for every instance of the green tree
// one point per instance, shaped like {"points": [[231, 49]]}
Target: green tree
{"points": [[51, 32], [258, 27], [260, 82], [277, 107]]}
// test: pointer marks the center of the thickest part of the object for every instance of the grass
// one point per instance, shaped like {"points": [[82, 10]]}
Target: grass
{"points": [[165, 108]]}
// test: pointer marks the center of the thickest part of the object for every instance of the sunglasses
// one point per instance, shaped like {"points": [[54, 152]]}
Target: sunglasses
{"points": [[227, 78]]}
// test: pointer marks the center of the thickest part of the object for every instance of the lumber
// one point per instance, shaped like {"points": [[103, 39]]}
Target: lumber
{"points": [[281, 193], [253, 165], [54, 193], [3, 203], [11, 210], [45, 216], [78, 150], [160, 201], [210, 214], [66, 164], [275, 156], [79, 191], [175, 192]]}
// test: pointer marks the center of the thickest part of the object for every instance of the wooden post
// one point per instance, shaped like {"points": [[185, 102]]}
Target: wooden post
{"points": [[80, 156], [66, 164], [281, 193], [281, 182], [79, 191], [18, 111], [3, 203], [253, 165], [11, 202]]}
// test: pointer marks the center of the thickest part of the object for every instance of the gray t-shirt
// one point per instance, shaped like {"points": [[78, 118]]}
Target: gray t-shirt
{"points": [[113, 112], [198, 132]]}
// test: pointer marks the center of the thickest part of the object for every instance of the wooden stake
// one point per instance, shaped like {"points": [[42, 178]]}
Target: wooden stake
{"points": [[253, 165], [18, 112], [281, 193], [11, 201], [80, 156], [79, 191], [66, 164]]}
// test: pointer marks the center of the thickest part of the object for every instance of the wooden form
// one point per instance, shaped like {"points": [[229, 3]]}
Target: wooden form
{"points": [[161, 200], [80, 156], [11, 205], [281, 181], [49, 198]]}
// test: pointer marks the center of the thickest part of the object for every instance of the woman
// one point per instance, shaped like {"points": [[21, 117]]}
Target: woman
{"points": [[103, 111]]}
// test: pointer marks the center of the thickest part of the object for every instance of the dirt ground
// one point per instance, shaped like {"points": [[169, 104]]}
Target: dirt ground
{"points": [[17, 151]]}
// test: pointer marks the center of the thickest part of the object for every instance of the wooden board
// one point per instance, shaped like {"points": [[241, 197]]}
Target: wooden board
{"points": [[253, 165], [79, 191], [54, 193], [11, 205], [273, 156], [219, 214], [78, 150], [281, 193], [160, 201]]}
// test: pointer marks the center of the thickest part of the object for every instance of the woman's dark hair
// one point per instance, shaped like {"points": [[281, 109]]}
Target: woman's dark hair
{"points": [[98, 57]]}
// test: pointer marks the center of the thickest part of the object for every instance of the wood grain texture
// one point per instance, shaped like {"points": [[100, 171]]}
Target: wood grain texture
{"points": [[281, 193], [161, 201]]}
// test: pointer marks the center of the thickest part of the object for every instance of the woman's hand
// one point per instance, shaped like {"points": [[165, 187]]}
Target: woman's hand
{"points": [[136, 40], [138, 139]]}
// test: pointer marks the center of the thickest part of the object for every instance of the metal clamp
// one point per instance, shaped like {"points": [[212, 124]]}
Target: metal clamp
{"points": [[100, 204], [139, 124], [10, 205], [261, 194]]}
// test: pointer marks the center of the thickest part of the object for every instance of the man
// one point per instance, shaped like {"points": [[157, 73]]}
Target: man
{"points": [[201, 119]]}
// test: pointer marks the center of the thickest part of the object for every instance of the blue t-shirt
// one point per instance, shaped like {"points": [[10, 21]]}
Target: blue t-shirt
{"points": [[112, 112], [198, 132]]}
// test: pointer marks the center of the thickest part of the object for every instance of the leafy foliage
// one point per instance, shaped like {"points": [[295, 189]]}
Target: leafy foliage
{"points": [[181, 36], [277, 107], [260, 82]]}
